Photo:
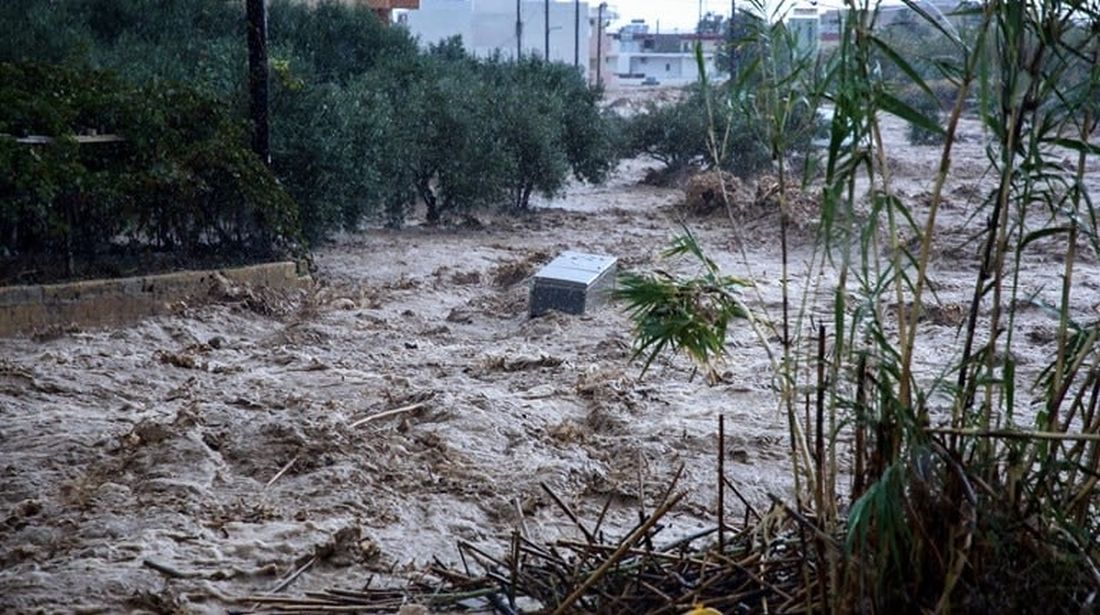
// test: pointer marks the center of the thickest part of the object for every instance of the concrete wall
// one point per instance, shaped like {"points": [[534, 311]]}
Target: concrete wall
{"points": [[24, 309], [668, 68], [489, 26]]}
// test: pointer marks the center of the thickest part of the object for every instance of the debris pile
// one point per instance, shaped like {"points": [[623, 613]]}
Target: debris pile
{"points": [[765, 563]]}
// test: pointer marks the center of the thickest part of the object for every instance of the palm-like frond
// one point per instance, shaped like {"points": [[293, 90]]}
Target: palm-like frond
{"points": [[691, 314]]}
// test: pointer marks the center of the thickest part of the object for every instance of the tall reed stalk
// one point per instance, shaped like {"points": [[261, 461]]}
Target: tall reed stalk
{"points": [[955, 478]]}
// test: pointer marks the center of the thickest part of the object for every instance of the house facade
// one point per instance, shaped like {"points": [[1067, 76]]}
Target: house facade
{"points": [[669, 59]]}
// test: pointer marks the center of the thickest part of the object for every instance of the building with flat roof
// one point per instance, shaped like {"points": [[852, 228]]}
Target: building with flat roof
{"points": [[642, 56]]}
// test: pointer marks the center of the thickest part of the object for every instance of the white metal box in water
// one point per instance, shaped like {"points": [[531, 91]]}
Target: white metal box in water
{"points": [[574, 283]]}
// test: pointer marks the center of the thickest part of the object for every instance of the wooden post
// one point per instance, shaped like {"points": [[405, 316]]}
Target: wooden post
{"points": [[258, 77], [599, 44], [731, 40], [546, 24]]}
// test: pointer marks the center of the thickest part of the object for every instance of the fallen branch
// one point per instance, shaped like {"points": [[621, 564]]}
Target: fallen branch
{"points": [[388, 413], [285, 583], [169, 571], [282, 471], [624, 546], [1013, 434]]}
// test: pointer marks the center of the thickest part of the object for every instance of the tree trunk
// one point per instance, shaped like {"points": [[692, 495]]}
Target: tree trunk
{"points": [[525, 196], [425, 189], [256, 12]]}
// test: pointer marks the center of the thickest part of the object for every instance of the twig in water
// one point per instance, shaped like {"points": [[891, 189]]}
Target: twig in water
{"points": [[168, 571], [388, 413], [802, 520], [479, 555], [568, 513], [603, 514], [1009, 434], [624, 546], [285, 583], [721, 483], [748, 505], [521, 517], [671, 486], [282, 471], [515, 570]]}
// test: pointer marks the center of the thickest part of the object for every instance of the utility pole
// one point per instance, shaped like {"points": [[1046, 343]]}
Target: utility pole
{"points": [[730, 41], [519, 32], [546, 19], [256, 13], [599, 44], [576, 33]]}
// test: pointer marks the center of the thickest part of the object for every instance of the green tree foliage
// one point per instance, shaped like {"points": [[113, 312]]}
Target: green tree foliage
{"points": [[198, 42], [455, 160], [549, 127], [364, 125], [338, 41], [732, 126], [181, 181], [673, 134], [461, 154], [711, 23], [323, 145], [681, 134]]}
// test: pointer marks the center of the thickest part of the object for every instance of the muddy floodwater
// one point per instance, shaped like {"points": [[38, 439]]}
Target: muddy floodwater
{"points": [[407, 402]]}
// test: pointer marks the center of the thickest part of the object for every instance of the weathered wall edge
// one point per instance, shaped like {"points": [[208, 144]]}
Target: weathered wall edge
{"points": [[25, 309]]}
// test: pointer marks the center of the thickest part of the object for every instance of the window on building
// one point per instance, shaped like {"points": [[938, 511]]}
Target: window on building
{"points": [[668, 67]]}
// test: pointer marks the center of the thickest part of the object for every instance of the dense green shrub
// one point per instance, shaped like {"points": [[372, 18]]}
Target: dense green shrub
{"points": [[928, 106], [324, 144], [182, 180], [451, 145], [461, 154], [673, 134], [339, 41], [376, 126], [549, 127], [198, 42], [680, 134], [363, 124]]}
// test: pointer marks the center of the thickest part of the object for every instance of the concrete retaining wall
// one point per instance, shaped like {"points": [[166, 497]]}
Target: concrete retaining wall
{"points": [[23, 309]]}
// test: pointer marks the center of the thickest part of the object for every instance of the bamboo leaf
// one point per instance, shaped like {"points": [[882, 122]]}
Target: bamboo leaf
{"points": [[903, 64], [895, 106], [1077, 145]]}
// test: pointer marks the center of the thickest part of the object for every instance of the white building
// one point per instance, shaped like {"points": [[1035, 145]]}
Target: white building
{"points": [[489, 26], [667, 58], [805, 24]]}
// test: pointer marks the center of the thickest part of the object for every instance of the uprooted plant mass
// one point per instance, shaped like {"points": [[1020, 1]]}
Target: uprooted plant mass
{"points": [[850, 362]]}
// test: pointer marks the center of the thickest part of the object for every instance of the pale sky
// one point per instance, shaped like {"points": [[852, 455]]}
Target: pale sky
{"points": [[683, 15], [673, 15]]}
